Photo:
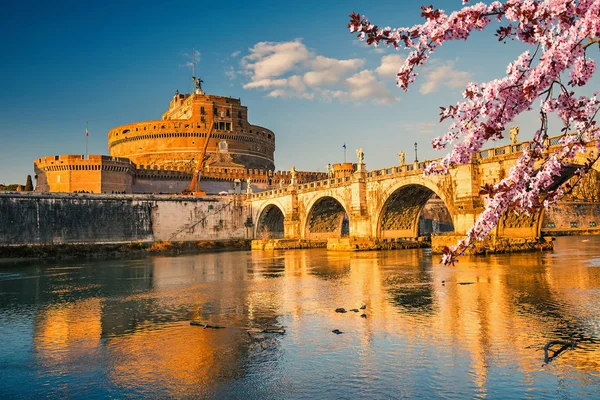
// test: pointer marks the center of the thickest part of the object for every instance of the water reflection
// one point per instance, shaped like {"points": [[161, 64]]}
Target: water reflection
{"points": [[119, 328]]}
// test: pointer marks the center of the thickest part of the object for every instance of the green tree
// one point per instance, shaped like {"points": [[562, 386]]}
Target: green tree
{"points": [[11, 187]]}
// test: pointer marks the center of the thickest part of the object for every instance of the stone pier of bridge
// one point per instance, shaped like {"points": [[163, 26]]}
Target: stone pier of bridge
{"points": [[364, 209]]}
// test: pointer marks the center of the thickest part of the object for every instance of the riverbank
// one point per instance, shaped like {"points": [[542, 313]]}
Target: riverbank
{"points": [[132, 249], [340, 244]]}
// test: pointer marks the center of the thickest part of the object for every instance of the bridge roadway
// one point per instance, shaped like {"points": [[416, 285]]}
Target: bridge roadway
{"points": [[385, 204]]}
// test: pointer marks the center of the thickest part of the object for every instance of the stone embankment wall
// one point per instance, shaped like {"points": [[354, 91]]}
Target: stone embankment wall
{"points": [[33, 218], [572, 218]]}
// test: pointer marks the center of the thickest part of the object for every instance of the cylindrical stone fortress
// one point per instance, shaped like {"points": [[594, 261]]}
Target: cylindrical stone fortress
{"points": [[175, 142]]}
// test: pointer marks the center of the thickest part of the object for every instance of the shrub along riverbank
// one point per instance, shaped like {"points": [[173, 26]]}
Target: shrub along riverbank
{"points": [[120, 249]]}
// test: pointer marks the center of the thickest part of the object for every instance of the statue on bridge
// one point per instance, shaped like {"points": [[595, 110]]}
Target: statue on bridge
{"points": [[514, 133], [248, 186], [293, 175], [402, 156], [361, 155], [329, 171]]}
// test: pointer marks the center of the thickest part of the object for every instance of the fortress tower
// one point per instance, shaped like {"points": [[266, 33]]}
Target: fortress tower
{"points": [[175, 141]]}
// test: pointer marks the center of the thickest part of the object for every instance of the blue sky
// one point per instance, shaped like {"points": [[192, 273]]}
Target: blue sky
{"points": [[294, 64]]}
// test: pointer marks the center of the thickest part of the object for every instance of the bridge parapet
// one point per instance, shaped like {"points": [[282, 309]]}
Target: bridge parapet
{"points": [[386, 203], [487, 155], [516, 149]]}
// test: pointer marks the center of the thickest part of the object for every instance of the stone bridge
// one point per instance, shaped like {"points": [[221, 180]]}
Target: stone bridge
{"points": [[385, 204]]}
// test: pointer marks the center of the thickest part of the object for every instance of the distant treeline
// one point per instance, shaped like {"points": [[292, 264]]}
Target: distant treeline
{"points": [[17, 186], [11, 187]]}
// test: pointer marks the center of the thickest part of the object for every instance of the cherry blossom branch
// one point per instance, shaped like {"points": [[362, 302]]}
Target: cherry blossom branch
{"points": [[558, 30]]}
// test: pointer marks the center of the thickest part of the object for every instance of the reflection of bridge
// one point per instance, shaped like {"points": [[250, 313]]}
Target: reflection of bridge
{"points": [[386, 203]]}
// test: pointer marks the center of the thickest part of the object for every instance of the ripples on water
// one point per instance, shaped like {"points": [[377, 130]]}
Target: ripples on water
{"points": [[121, 328]]}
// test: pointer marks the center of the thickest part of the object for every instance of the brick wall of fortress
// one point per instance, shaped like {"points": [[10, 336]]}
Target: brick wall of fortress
{"points": [[105, 174], [217, 179], [178, 138], [73, 173], [34, 218]]}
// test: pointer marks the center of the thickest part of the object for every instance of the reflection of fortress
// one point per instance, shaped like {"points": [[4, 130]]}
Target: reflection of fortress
{"points": [[159, 156]]}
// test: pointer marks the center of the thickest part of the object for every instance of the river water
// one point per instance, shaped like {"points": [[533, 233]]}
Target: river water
{"points": [[120, 328]]}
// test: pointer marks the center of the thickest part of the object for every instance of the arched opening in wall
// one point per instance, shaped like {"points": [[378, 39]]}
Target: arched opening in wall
{"points": [[327, 219], [270, 223], [412, 211], [435, 218]]}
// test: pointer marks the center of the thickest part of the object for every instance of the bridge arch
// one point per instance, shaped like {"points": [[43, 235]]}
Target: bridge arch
{"points": [[270, 220], [326, 217], [403, 203]]}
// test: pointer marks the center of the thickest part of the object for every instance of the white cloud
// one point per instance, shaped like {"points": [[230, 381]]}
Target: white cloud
{"points": [[235, 54], [195, 57], [328, 71], [291, 70], [364, 85], [269, 59], [288, 94], [230, 73], [328, 95], [296, 83], [443, 75], [390, 65], [265, 83]]}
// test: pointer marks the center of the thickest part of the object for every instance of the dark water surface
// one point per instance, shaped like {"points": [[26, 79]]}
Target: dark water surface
{"points": [[120, 328]]}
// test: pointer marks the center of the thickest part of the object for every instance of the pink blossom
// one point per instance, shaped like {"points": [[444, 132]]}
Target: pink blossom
{"points": [[559, 33]]}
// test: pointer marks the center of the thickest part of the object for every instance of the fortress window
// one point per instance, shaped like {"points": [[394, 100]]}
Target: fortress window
{"points": [[215, 110], [215, 126], [228, 114], [202, 112], [269, 136], [126, 131], [228, 126], [239, 114], [202, 119]]}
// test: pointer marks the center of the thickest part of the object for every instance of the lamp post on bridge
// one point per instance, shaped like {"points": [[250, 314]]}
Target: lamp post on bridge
{"points": [[416, 158]]}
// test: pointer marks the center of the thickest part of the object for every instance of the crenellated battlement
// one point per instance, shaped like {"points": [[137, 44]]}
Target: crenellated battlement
{"points": [[78, 162], [150, 130], [230, 174]]}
